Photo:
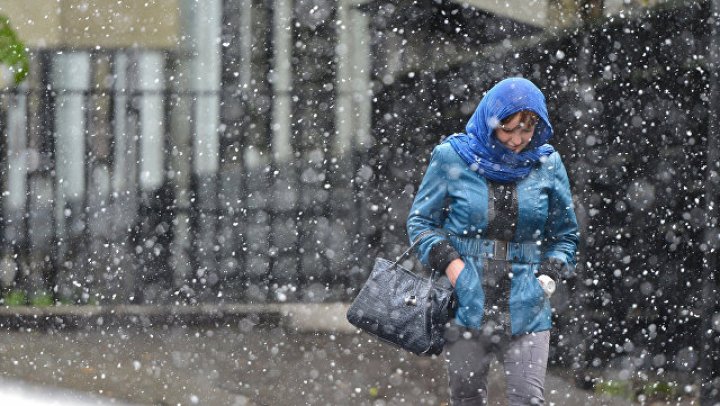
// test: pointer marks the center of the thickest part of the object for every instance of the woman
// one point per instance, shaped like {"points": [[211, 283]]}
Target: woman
{"points": [[499, 200]]}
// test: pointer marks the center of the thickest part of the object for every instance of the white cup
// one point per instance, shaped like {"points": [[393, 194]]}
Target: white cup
{"points": [[548, 284]]}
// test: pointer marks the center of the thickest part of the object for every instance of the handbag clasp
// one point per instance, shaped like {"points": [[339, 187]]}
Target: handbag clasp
{"points": [[411, 301]]}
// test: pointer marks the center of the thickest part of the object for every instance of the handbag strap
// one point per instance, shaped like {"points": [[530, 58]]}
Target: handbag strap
{"points": [[417, 240]]}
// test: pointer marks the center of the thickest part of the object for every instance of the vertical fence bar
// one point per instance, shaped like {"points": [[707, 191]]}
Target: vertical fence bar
{"points": [[236, 51], [121, 280], [256, 159], [37, 289], [247, 37], [154, 225], [315, 129], [170, 205], [84, 252], [48, 165], [138, 211], [342, 175], [180, 163], [8, 267], [98, 190], [281, 196]]}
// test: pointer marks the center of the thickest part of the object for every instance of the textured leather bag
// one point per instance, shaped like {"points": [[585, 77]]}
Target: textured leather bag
{"points": [[402, 308]]}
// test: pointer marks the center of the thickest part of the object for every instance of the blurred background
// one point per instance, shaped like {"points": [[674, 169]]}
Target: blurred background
{"points": [[260, 152]]}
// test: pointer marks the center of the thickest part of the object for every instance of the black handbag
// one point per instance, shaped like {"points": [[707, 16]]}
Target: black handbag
{"points": [[402, 308]]}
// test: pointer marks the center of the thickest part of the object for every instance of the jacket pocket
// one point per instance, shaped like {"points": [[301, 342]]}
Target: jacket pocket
{"points": [[460, 281], [526, 291], [538, 297], [470, 297]]}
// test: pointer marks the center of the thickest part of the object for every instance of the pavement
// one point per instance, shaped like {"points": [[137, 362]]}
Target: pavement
{"points": [[18, 393], [278, 354]]}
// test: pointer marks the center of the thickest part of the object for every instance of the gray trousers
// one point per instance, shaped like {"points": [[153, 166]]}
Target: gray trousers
{"points": [[468, 354]]}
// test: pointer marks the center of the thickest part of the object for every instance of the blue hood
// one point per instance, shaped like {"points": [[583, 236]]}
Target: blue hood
{"points": [[484, 153]]}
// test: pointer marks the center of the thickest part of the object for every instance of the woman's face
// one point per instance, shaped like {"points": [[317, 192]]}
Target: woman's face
{"points": [[516, 131]]}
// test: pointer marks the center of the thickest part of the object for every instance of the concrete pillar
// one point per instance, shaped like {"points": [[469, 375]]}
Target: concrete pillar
{"points": [[282, 80], [246, 43], [151, 83], [344, 106], [361, 56], [120, 177], [353, 105], [16, 155], [70, 79], [205, 59], [352, 124]]}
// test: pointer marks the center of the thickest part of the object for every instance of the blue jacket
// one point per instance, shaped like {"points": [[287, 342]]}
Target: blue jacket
{"points": [[453, 200]]}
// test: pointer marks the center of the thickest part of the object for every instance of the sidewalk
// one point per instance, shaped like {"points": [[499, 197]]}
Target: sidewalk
{"points": [[17, 393], [279, 354]]}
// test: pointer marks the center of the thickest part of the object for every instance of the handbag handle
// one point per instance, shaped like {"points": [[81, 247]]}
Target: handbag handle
{"points": [[417, 240]]}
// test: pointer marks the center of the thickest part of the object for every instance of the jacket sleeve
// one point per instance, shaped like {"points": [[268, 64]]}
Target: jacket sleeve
{"points": [[426, 213], [561, 232]]}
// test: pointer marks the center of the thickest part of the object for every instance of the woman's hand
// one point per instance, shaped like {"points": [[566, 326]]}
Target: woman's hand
{"points": [[453, 270]]}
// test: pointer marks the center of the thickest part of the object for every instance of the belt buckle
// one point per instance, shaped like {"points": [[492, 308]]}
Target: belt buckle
{"points": [[500, 250]]}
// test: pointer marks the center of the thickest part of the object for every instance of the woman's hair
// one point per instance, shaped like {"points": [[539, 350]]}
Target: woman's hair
{"points": [[527, 118]]}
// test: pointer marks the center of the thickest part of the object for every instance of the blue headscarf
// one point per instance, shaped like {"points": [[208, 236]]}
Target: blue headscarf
{"points": [[484, 153]]}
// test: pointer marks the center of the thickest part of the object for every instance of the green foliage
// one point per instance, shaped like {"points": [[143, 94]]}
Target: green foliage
{"points": [[659, 390], [621, 389], [42, 299], [12, 51], [15, 297]]}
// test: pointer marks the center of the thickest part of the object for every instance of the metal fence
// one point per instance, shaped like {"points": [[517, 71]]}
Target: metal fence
{"points": [[105, 199]]}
